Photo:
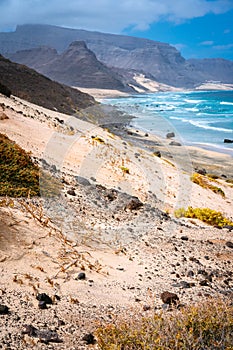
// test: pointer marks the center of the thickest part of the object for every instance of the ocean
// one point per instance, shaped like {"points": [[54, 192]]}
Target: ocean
{"points": [[198, 118]]}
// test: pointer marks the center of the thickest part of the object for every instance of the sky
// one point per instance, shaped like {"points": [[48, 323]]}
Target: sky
{"points": [[197, 28]]}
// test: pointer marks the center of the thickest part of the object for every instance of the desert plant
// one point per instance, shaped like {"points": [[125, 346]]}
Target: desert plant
{"points": [[19, 176], [203, 182], [207, 325], [124, 169], [207, 215]]}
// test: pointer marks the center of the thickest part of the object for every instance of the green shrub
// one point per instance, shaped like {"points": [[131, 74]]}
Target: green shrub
{"points": [[203, 182], [207, 215], [19, 176], [207, 325]]}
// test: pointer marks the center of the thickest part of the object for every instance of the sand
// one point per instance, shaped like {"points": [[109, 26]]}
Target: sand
{"points": [[129, 256]]}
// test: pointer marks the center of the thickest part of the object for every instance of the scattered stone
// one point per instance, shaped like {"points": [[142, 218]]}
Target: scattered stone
{"points": [[169, 298], [201, 171], [190, 273], [44, 297], [71, 192], [45, 336], [82, 181], [229, 227], [170, 135], [4, 310], [3, 116], [204, 283], [157, 154], [175, 143], [81, 276], [146, 307], [134, 204], [42, 305], [229, 244], [184, 238], [89, 339]]}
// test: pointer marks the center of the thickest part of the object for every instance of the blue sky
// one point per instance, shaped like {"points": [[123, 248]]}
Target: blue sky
{"points": [[198, 28]]}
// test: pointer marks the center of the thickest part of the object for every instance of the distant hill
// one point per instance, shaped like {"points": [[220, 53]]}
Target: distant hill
{"points": [[160, 61], [76, 66], [36, 88]]}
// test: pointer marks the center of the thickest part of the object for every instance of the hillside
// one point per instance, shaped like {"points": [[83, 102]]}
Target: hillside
{"points": [[160, 60], [36, 88], [76, 66]]}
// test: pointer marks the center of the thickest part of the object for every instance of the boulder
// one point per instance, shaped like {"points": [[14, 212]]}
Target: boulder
{"points": [[170, 135]]}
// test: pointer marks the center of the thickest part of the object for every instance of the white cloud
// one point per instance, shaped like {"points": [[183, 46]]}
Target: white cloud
{"points": [[223, 47], [106, 15], [207, 43]]}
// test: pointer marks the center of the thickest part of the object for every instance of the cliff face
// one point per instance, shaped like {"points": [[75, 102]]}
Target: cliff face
{"points": [[36, 88], [160, 60]]}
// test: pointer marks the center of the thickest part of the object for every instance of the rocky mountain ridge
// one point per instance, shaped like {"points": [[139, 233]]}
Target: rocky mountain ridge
{"points": [[36, 88], [76, 66], [160, 60]]}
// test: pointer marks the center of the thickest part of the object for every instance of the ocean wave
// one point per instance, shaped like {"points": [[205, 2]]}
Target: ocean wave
{"points": [[193, 101], [226, 103], [208, 127]]}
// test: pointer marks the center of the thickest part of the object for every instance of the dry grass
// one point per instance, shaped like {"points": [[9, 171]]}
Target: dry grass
{"points": [[203, 326], [203, 182]]}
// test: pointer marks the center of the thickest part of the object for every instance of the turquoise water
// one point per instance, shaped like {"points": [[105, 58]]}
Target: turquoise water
{"points": [[201, 118]]}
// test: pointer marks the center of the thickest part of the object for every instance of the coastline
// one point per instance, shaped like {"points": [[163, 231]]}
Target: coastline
{"points": [[129, 249]]}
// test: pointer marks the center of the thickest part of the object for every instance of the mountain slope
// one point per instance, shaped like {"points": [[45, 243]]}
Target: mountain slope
{"points": [[77, 66], [160, 60], [34, 87]]}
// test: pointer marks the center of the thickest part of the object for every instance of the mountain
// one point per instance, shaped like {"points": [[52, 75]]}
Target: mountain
{"points": [[160, 60], [76, 66], [36, 88]]}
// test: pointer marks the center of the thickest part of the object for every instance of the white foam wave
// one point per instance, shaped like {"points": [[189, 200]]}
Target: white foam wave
{"points": [[226, 103], [193, 101], [208, 127]]}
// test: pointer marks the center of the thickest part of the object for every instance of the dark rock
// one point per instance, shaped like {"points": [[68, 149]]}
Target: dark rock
{"points": [[134, 204], [229, 227], [157, 154], [184, 238], [201, 171], [42, 305], [4, 310], [5, 90], [45, 336], [82, 181], [44, 297], [175, 143], [204, 283], [146, 307], [81, 276], [228, 141], [146, 135], [89, 339], [184, 284], [190, 273], [170, 135], [229, 244], [169, 298], [71, 192]]}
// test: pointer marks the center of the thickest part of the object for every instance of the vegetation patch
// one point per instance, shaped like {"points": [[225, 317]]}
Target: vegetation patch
{"points": [[97, 139], [124, 169], [203, 182], [19, 176], [207, 215], [207, 325]]}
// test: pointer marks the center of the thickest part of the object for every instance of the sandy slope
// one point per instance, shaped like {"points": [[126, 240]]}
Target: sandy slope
{"points": [[129, 256]]}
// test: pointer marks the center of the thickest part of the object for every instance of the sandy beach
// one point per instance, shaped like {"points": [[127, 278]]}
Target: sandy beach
{"points": [[113, 220]]}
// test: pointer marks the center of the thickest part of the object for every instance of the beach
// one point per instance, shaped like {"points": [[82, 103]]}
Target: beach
{"points": [[113, 220]]}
